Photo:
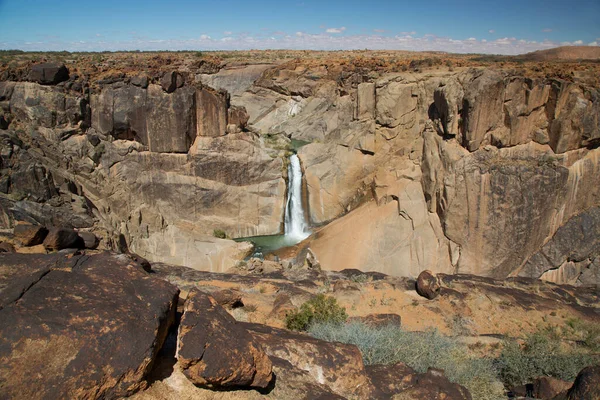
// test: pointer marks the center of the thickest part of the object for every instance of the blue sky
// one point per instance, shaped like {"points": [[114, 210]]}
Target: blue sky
{"points": [[507, 26]]}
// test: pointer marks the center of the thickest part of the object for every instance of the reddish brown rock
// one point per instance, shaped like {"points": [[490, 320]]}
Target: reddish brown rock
{"points": [[228, 298], [547, 387], [336, 365], [60, 238], [586, 385], [428, 285], [30, 235], [49, 73], [90, 241], [171, 81], [214, 350], [6, 247], [80, 326]]}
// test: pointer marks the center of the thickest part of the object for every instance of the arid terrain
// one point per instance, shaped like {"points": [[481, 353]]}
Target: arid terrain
{"points": [[452, 202]]}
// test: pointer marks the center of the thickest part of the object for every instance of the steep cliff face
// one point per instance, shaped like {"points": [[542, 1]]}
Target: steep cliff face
{"points": [[144, 165], [501, 160], [471, 170]]}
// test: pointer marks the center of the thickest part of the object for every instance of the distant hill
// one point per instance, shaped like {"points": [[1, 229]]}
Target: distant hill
{"points": [[565, 53]]}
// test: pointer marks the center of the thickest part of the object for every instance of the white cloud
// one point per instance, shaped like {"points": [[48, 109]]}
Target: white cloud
{"points": [[578, 42], [471, 39], [547, 30], [492, 31], [336, 30], [227, 33], [593, 44], [298, 41]]}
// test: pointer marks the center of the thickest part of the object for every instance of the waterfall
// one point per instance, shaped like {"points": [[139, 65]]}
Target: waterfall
{"points": [[295, 222]]}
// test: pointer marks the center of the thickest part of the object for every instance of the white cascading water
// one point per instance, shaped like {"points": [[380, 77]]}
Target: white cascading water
{"points": [[296, 227]]}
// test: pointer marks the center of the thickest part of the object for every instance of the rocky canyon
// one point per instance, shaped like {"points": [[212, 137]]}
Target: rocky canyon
{"points": [[437, 191]]}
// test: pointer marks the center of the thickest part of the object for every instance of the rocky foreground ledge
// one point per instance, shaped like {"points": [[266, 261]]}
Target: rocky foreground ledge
{"points": [[89, 324]]}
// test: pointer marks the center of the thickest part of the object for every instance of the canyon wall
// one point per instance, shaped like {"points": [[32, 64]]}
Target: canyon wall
{"points": [[477, 170]]}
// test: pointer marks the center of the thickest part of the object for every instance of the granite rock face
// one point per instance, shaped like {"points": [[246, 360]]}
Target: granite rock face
{"points": [[472, 170]]}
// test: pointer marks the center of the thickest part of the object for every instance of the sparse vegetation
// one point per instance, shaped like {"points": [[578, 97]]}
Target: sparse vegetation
{"points": [[544, 353], [219, 233], [319, 309], [419, 350]]}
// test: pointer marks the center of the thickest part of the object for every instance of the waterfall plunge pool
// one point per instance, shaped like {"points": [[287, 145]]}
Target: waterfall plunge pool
{"points": [[295, 224]]}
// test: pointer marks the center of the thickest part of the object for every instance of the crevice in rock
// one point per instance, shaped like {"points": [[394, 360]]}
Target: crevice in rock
{"points": [[165, 360]]}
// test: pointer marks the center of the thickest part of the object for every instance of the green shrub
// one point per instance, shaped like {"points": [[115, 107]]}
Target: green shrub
{"points": [[219, 233], [319, 309], [542, 354], [419, 350]]}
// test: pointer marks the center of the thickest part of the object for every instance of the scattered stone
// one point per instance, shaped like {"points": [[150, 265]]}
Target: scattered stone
{"points": [[434, 385], [30, 235], [547, 387], [49, 73], [428, 285], [140, 81], [586, 385], [312, 261], [228, 298], [61, 238], [90, 241], [214, 350], [6, 247], [80, 326], [171, 81]]}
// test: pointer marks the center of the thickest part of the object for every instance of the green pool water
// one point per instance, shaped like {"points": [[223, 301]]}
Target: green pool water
{"points": [[268, 244]]}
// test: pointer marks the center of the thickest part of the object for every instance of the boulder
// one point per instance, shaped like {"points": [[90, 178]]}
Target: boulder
{"points": [[547, 387], [140, 81], [171, 81], [390, 379], [337, 365], [228, 298], [80, 326], [30, 235], [214, 350], [61, 238], [586, 385], [90, 241], [49, 73], [428, 285], [6, 247], [433, 385]]}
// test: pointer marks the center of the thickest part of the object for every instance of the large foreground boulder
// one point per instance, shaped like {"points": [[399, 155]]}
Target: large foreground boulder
{"points": [[214, 350], [79, 326]]}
